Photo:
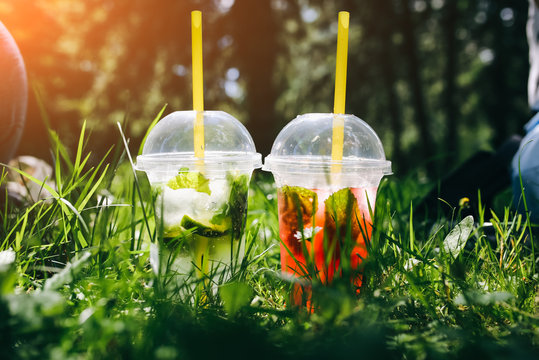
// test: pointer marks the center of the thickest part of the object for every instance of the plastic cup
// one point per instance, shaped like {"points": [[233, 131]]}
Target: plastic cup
{"points": [[201, 203], [325, 205]]}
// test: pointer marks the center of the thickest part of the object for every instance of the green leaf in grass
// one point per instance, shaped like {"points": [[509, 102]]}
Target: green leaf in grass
{"points": [[235, 296], [455, 241]]}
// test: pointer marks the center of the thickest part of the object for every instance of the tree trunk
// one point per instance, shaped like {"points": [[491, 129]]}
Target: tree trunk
{"points": [[255, 38], [389, 81], [411, 54], [451, 111], [500, 109]]}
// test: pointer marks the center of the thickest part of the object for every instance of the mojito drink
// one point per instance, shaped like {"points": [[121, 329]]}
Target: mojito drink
{"points": [[202, 221], [201, 199]]}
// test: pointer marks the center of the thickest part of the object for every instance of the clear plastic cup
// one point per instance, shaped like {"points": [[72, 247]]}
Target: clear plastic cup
{"points": [[325, 205], [201, 203]]}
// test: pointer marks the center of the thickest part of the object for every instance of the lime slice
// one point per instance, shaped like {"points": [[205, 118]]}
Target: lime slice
{"points": [[207, 230]]}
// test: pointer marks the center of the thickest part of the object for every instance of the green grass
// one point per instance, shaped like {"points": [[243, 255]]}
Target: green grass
{"points": [[81, 285]]}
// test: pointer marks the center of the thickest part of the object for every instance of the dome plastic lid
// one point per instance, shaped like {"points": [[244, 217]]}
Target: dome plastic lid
{"points": [[228, 144], [305, 145]]}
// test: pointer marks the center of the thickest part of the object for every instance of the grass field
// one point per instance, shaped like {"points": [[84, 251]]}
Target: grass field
{"points": [[76, 282]]}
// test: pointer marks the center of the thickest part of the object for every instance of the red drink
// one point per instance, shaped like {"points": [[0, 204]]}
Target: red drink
{"points": [[324, 196], [317, 227]]}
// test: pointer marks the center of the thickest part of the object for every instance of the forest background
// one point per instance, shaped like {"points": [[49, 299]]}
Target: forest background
{"points": [[437, 79]]}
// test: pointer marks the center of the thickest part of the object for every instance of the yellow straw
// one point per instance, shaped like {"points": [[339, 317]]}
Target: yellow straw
{"points": [[340, 90], [342, 57], [198, 88]]}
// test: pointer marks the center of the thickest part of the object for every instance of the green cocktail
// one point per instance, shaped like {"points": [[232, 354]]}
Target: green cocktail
{"points": [[201, 201], [202, 222]]}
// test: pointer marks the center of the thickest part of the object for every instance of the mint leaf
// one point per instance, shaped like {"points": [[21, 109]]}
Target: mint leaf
{"points": [[297, 208], [233, 213], [190, 180], [341, 215], [222, 217], [237, 202], [297, 199]]}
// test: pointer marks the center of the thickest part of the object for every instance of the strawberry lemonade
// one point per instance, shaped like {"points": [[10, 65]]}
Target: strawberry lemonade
{"points": [[325, 205], [320, 227]]}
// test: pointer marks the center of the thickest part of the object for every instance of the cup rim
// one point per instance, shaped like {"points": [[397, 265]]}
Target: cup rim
{"points": [[213, 160], [309, 164]]}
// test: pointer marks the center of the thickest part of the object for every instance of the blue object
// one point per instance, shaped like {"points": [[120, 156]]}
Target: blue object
{"points": [[525, 164]]}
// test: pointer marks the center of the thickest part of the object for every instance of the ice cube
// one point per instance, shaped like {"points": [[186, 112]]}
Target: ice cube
{"points": [[220, 192], [181, 202]]}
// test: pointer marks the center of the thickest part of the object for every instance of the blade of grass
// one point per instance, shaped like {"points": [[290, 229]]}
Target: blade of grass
{"points": [[20, 234], [86, 190], [411, 229], [78, 156], [137, 185], [154, 122], [91, 192], [53, 192]]}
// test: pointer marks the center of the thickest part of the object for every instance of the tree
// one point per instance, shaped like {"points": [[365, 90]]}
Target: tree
{"points": [[256, 50], [432, 77]]}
